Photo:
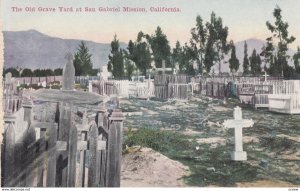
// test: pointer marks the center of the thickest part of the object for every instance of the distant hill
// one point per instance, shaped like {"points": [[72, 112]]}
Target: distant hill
{"points": [[32, 49]]}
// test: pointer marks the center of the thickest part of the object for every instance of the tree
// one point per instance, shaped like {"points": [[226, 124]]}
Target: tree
{"points": [[255, 63], [177, 54], [258, 64], [160, 47], [58, 71], [14, 72], [278, 58], [210, 55], [217, 40], [188, 56], [296, 59], [82, 62], [116, 62], [139, 53], [233, 61], [37, 73], [246, 65], [198, 41], [49, 72], [26, 73]]}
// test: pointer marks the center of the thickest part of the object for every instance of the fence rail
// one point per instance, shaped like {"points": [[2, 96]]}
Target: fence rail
{"points": [[45, 153]]}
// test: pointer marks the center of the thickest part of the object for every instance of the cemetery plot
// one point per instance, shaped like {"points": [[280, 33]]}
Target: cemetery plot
{"points": [[192, 133]]}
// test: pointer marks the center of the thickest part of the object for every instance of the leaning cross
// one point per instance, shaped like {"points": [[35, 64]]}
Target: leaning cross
{"points": [[238, 123]]}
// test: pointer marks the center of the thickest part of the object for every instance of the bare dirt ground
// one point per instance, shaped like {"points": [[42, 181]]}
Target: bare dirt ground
{"points": [[144, 167]]}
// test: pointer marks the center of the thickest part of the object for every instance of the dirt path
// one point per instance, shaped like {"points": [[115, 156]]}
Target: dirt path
{"points": [[144, 167]]}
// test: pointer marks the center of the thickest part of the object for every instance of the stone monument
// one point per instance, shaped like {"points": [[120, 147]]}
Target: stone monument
{"points": [[238, 123], [68, 74]]}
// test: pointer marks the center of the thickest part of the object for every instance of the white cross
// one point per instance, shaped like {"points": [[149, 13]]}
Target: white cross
{"points": [[163, 68], [238, 123], [266, 75]]}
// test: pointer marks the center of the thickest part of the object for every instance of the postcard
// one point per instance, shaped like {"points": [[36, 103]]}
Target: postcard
{"points": [[150, 93]]}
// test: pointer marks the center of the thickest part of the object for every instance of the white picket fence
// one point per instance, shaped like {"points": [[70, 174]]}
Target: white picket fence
{"points": [[285, 97], [126, 88]]}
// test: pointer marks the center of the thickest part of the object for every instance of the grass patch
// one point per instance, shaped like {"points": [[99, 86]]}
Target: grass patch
{"points": [[166, 142], [277, 144]]}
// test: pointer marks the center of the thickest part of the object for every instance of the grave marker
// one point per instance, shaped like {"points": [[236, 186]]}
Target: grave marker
{"points": [[163, 68], [68, 74], [238, 123]]}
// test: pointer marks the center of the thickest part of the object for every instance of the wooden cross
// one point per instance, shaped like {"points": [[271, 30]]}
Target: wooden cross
{"points": [[238, 123], [266, 75], [163, 68]]}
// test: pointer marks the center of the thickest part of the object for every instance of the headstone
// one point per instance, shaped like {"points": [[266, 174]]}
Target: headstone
{"points": [[44, 84], [104, 74], [8, 77], [238, 123], [90, 86], [68, 74]]}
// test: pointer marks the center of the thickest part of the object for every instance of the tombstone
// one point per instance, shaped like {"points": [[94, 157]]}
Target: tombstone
{"points": [[238, 123], [90, 86], [104, 74], [44, 84], [68, 74], [8, 77]]}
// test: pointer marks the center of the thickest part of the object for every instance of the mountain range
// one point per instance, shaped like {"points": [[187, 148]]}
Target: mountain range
{"points": [[33, 49]]}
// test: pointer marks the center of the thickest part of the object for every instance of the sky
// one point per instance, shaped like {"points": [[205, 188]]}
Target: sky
{"points": [[245, 18]]}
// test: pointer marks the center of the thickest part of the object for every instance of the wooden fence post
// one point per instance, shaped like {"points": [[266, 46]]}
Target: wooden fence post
{"points": [[100, 154], [114, 149], [29, 144], [8, 156], [93, 145], [40, 158], [72, 150], [64, 126], [51, 170]]}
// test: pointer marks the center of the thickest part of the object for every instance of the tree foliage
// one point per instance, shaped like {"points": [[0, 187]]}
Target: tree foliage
{"points": [[160, 47], [296, 59], [26, 72], [217, 46], [233, 61], [139, 52], [82, 61], [255, 63], [246, 65], [198, 42], [277, 58], [14, 72], [116, 62], [58, 71]]}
